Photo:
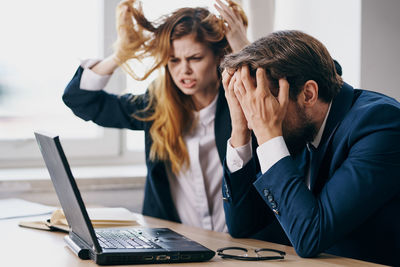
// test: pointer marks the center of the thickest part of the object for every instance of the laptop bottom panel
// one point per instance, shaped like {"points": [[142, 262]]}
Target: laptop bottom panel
{"points": [[149, 257]]}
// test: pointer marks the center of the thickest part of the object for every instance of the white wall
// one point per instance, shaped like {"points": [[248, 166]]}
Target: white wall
{"points": [[335, 23], [380, 45], [260, 14]]}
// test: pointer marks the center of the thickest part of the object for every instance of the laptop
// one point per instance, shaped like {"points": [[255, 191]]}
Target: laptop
{"points": [[111, 246]]}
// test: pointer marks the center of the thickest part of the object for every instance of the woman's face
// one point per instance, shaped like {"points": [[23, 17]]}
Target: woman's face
{"points": [[193, 67]]}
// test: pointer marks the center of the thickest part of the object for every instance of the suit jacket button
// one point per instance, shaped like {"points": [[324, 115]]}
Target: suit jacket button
{"points": [[266, 192], [270, 198]]}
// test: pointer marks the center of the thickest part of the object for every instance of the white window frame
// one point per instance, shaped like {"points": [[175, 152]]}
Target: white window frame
{"points": [[108, 149]]}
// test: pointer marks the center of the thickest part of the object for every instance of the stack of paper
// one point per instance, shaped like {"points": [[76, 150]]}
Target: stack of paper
{"points": [[100, 217], [16, 208]]}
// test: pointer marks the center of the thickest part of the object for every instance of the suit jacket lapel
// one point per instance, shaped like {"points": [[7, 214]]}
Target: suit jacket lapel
{"points": [[340, 106], [222, 124], [158, 180]]}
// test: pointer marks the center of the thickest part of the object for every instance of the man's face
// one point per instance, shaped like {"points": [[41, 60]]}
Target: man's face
{"points": [[298, 128]]}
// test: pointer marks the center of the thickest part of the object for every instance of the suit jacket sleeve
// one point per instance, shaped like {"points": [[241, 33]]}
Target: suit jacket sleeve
{"points": [[245, 211], [102, 108]]}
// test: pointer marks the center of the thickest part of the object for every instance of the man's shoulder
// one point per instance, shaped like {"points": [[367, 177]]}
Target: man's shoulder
{"points": [[371, 112], [370, 103]]}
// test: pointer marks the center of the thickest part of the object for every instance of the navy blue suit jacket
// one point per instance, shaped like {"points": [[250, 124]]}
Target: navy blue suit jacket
{"points": [[115, 111], [353, 207]]}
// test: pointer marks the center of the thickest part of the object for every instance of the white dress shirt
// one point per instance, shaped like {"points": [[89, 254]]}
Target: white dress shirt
{"points": [[268, 153], [196, 191]]}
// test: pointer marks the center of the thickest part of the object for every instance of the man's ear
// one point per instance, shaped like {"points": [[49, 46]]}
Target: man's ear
{"points": [[310, 93]]}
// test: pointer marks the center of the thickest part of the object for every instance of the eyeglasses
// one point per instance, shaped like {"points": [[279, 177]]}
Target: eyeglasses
{"points": [[262, 254]]}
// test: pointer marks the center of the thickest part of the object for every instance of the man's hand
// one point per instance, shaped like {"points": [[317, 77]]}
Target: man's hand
{"points": [[240, 132], [264, 112]]}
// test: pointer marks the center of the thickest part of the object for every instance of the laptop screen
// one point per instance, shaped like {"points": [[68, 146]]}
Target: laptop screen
{"points": [[66, 189]]}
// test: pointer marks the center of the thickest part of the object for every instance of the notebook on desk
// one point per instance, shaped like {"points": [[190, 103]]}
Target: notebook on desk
{"points": [[110, 246]]}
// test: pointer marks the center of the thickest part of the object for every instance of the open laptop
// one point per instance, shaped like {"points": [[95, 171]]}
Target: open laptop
{"points": [[111, 246]]}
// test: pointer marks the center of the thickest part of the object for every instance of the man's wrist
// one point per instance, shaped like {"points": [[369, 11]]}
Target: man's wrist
{"points": [[240, 137], [266, 135]]}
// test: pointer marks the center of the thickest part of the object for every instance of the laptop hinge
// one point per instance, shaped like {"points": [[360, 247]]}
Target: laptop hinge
{"points": [[77, 246]]}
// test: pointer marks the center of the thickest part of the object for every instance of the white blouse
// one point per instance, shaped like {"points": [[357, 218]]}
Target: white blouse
{"points": [[196, 191]]}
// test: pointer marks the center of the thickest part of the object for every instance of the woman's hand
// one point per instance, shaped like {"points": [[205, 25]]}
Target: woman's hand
{"points": [[125, 36], [234, 26], [125, 27], [240, 132]]}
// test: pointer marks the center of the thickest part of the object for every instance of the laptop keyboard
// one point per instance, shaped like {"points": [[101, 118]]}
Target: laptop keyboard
{"points": [[119, 238]]}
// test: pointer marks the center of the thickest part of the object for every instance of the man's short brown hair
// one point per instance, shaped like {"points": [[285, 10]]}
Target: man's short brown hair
{"points": [[292, 54]]}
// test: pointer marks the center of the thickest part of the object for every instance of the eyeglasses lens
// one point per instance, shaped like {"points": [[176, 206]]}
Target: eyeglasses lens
{"points": [[235, 252], [267, 254]]}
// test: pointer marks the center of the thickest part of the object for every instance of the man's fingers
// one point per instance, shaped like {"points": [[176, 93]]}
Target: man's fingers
{"points": [[230, 71], [228, 79], [246, 78], [238, 86], [231, 85], [262, 81], [283, 95]]}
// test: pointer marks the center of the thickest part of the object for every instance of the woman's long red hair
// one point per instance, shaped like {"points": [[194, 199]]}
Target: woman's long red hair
{"points": [[171, 111]]}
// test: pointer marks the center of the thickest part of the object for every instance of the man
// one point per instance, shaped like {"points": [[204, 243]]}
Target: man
{"points": [[327, 165]]}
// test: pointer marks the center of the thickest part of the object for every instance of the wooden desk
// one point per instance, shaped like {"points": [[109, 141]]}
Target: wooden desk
{"points": [[29, 247]]}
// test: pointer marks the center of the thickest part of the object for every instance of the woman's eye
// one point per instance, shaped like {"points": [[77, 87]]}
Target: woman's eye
{"points": [[173, 60]]}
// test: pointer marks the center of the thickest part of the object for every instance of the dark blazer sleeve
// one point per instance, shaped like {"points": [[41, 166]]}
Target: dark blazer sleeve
{"points": [[102, 108], [363, 176], [245, 211]]}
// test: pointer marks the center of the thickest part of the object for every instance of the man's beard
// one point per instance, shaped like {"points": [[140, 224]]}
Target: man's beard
{"points": [[296, 137]]}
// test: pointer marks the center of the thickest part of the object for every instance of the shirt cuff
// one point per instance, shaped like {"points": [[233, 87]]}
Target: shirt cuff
{"points": [[271, 152], [237, 157], [90, 80]]}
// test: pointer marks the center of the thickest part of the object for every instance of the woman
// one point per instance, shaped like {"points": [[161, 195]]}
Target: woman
{"points": [[183, 113]]}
